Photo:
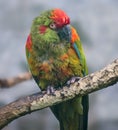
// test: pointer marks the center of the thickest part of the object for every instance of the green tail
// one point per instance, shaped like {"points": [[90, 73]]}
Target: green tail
{"points": [[70, 119]]}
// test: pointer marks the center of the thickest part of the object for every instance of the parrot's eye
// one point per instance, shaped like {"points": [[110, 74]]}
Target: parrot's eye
{"points": [[52, 26]]}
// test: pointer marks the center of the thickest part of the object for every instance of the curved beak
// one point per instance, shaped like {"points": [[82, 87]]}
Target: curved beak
{"points": [[65, 33]]}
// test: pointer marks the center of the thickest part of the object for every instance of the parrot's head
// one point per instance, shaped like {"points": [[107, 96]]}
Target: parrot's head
{"points": [[51, 26]]}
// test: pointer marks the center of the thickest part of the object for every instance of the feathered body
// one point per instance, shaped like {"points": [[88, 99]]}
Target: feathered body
{"points": [[54, 53]]}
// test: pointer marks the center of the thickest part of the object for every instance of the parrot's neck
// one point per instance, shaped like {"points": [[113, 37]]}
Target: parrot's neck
{"points": [[46, 51]]}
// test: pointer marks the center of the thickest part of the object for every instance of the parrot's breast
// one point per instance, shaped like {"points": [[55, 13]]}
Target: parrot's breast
{"points": [[55, 65]]}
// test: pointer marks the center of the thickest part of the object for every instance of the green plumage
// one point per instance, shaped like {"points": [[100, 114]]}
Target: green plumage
{"points": [[53, 60]]}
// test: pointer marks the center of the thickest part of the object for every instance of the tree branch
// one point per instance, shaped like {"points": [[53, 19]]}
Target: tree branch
{"points": [[5, 83], [93, 82]]}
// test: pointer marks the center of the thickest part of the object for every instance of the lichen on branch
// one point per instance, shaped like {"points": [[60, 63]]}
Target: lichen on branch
{"points": [[88, 84]]}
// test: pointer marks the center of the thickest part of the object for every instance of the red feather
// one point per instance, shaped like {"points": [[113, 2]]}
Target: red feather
{"points": [[42, 29], [60, 18], [29, 43]]}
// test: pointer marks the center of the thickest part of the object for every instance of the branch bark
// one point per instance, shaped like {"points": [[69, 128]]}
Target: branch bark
{"points": [[6, 83], [93, 82]]}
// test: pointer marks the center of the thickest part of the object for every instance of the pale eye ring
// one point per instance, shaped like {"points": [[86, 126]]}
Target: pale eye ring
{"points": [[52, 26]]}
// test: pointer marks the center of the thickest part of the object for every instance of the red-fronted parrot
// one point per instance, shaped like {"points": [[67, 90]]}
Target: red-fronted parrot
{"points": [[55, 55]]}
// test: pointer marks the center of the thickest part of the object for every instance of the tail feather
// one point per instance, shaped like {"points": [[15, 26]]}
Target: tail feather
{"points": [[85, 103], [70, 120]]}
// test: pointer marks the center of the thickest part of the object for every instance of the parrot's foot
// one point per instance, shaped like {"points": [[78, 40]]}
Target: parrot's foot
{"points": [[50, 90], [72, 80]]}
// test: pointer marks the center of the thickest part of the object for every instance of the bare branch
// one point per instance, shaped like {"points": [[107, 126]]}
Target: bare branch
{"points": [[93, 82], [5, 83]]}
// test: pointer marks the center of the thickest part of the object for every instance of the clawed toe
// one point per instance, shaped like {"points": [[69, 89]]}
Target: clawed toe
{"points": [[50, 90], [72, 80]]}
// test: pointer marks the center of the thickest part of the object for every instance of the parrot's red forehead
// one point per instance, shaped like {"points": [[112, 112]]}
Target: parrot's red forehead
{"points": [[60, 17]]}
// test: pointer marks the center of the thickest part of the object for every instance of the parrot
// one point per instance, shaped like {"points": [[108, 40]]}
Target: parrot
{"points": [[56, 57]]}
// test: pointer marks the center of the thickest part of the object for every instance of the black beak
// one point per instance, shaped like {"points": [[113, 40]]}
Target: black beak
{"points": [[65, 33]]}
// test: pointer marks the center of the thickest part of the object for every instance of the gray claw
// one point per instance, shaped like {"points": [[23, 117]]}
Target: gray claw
{"points": [[50, 90], [72, 80]]}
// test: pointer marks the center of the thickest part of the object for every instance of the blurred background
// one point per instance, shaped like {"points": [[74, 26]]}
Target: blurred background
{"points": [[97, 24]]}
